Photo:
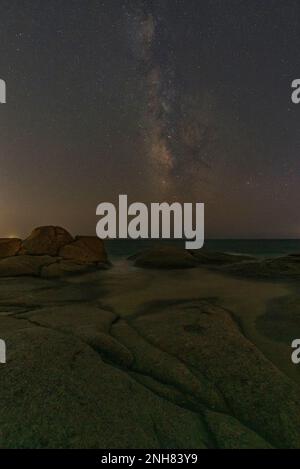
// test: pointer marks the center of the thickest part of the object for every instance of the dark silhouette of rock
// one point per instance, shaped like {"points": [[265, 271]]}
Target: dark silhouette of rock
{"points": [[9, 247], [164, 257], [171, 257], [46, 240]]}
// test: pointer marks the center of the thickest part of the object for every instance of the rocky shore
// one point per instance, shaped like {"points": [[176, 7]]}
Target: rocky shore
{"points": [[177, 354], [51, 252]]}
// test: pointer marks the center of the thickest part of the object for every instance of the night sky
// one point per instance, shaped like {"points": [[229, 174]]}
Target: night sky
{"points": [[162, 100]]}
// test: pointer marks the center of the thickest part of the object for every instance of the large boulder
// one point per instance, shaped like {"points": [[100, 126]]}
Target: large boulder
{"points": [[164, 257], [9, 247], [85, 249], [46, 240]]}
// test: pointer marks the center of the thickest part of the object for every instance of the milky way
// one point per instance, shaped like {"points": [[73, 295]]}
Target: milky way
{"points": [[143, 30], [178, 128]]}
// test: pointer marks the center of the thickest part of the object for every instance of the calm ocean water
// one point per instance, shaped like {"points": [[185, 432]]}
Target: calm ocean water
{"points": [[257, 247]]}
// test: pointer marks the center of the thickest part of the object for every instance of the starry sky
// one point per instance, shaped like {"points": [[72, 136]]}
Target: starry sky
{"points": [[163, 100]]}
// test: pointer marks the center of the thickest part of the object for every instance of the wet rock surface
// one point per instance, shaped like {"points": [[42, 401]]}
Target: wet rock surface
{"points": [[281, 321]]}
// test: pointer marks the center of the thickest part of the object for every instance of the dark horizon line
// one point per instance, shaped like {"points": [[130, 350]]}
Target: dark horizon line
{"points": [[207, 239]]}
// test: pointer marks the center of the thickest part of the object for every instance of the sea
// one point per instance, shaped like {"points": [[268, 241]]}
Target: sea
{"points": [[255, 247]]}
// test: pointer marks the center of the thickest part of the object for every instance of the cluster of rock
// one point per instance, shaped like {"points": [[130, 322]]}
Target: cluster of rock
{"points": [[50, 252], [171, 257]]}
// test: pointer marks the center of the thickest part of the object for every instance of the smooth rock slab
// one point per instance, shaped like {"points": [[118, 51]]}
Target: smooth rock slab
{"points": [[56, 392], [207, 339]]}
